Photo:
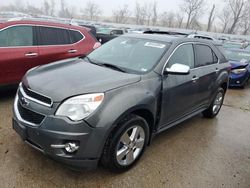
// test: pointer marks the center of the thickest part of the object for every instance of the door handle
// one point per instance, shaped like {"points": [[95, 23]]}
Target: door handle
{"points": [[72, 51], [194, 79], [216, 70], [31, 54]]}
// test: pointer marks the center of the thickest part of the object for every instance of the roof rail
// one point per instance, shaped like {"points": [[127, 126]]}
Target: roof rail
{"points": [[165, 33], [47, 19]]}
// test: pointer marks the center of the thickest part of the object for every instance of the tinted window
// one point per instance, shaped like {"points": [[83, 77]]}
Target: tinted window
{"points": [[75, 36], [183, 55], [17, 36], [53, 36], [205, 56]]}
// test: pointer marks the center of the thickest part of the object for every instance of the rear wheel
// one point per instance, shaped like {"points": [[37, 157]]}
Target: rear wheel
{"points": [[215, 107], [127, 144]]}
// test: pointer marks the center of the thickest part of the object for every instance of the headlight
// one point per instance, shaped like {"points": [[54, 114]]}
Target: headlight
{"points": [[239, 71], [78, 108]]}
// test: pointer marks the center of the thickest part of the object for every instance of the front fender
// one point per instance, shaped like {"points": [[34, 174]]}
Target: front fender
{"points": [[122, 101]]}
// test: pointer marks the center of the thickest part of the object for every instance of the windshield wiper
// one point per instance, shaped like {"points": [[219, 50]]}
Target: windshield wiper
{"points": [[105, 65], [112, 67]]}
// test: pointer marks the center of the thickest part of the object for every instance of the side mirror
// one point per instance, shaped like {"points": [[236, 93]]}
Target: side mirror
{"points": [[178, 69]]}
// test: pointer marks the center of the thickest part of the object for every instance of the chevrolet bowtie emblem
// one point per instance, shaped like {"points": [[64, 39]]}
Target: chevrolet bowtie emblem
{"points": [[24, 101]]}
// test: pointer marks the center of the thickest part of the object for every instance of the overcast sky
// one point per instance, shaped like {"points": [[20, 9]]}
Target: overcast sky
{"points": [[109, 5]]}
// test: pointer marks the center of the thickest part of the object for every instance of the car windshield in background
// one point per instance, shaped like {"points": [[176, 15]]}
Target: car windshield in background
{"points": [[104, 30], [130, 54], [242, 56], [233, 45]]}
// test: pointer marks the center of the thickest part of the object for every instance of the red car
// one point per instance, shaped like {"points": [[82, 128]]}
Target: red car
{"points": [[27, 44]]}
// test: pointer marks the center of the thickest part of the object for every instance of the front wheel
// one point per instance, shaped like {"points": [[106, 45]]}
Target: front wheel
{"points": [[126, 144], [215, 107]]}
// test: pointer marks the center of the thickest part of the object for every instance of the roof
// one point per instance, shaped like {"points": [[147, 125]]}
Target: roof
{"points": [[158, 37], [5, 23], [171, 38]]}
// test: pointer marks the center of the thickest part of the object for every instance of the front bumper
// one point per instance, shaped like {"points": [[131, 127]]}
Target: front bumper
{"points": [[238, 80], [55, 130]]}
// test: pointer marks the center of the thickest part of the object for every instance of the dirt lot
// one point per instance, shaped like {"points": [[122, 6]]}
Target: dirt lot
{"points": [[198, 153]]}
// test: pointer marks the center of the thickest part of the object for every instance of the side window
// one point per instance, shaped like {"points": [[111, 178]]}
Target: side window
{"points": [[75, 36], [53, 36], [205, 56], [16, 36], [183, 55]]}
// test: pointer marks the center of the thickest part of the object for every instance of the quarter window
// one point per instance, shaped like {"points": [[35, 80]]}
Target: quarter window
{"points": [[53, 36], [205, 56], [76, 36], [16, 36], [183, 55]]}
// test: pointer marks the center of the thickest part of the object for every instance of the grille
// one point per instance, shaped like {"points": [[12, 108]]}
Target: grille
{"points": [[29, 115], [36, 96]]}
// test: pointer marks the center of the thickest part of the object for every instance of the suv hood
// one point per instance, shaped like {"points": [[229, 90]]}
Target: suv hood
{"points": [[237, 64], [73, 77]]}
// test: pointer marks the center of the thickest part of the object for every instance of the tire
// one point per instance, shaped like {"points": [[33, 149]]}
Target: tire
{"points": [[215, 107], [123, 149]]}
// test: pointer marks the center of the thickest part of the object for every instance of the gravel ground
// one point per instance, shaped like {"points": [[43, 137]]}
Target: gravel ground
{"points": [[198, 153]]}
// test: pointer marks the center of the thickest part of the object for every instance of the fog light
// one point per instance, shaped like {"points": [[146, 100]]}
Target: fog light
{"points": [[71, 147]]}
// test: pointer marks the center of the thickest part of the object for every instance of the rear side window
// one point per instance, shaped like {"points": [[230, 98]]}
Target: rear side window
{"points": [[17, 36], [183, 55], [53, 36], [205, 56], [75, 36]]}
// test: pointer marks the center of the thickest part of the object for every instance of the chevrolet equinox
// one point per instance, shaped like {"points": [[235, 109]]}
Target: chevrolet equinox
{"points": [[107, 106]]}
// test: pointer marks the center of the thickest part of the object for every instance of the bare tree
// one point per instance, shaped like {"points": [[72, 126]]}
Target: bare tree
{"points": [[194, 23], [140, 14], [52, 8], [64, 12], [48, 7], [238, 12], [192, 8], [30, 9], [92, 10], [163, 19], [167, 19], [179, 20], [225, 18], [211, 18], [155, 13], [121, 15], [147, 11], [245, 21]]}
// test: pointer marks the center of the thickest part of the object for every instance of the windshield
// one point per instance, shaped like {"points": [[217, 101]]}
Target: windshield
{"points": [[131, 54], [238, 56], [104, 30], [233, 45]]}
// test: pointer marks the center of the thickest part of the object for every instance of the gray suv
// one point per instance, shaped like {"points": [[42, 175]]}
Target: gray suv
{"points": [[106, 107]]}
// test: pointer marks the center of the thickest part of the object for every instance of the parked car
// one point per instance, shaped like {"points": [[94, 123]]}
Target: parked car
{"points": [[106, 34], [107, 106], [234, 45], [25, 44], [240, 67]]}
